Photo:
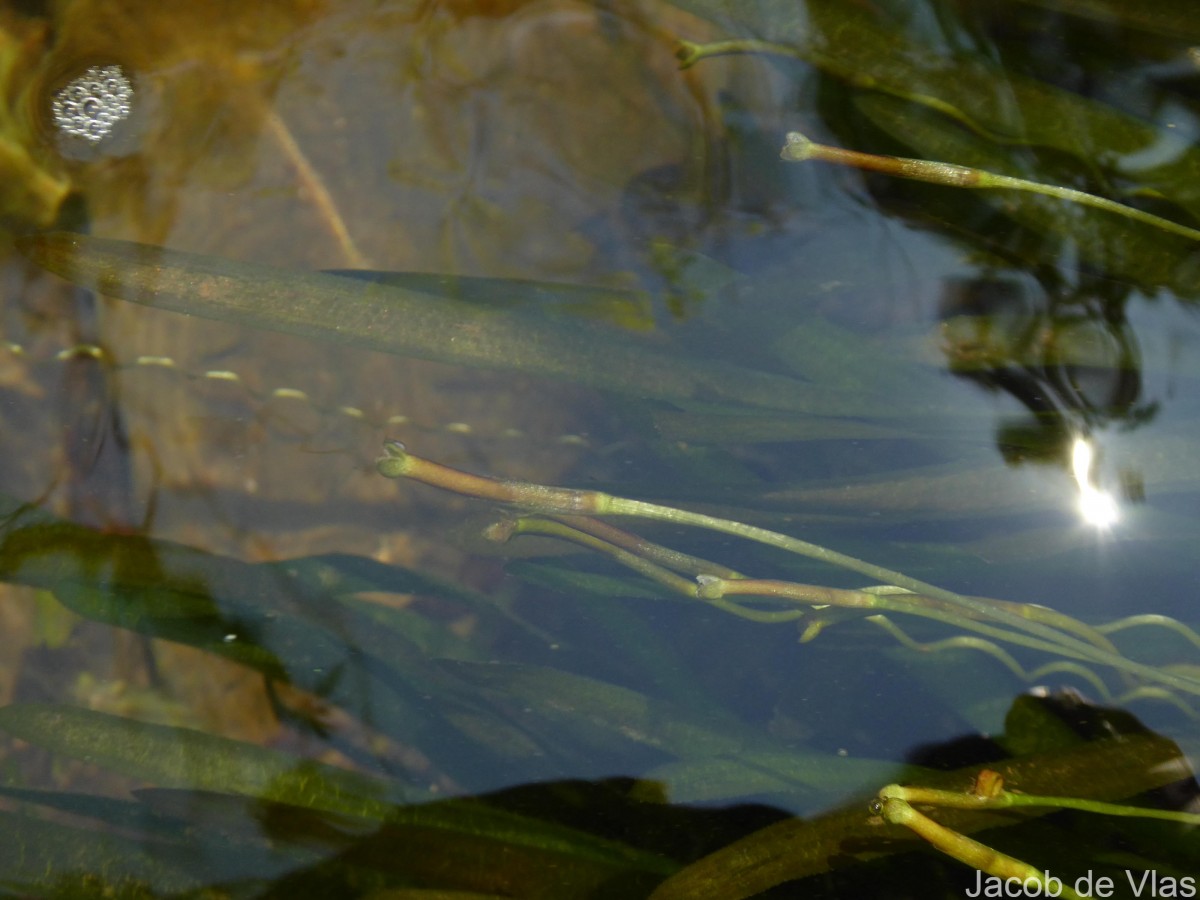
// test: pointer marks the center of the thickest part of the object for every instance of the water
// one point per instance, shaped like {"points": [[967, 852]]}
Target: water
{"points": [[951, 347]]}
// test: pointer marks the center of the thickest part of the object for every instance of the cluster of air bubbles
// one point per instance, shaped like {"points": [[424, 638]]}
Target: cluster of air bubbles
{"points": [[92, 104]]}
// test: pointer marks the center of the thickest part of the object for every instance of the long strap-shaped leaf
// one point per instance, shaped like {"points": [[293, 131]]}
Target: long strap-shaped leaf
{"points": [[393, 319]]}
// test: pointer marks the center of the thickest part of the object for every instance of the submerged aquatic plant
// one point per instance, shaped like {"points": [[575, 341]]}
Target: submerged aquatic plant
{"points": [[395, 318], [1028, 625], [765, 859], [800, 149], [421, 688], [895, 804], [301, 623]]}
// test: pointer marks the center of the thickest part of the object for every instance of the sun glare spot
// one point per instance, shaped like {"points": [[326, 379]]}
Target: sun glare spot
{"points": [[1098, 508]]}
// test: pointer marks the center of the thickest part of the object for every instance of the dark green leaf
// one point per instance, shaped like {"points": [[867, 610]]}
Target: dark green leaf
{"points": [[1106, 770], [395, 320], [186, 758]]}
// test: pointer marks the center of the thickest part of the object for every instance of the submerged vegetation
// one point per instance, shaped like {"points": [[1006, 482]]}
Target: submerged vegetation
{"points": [[914, 549]]}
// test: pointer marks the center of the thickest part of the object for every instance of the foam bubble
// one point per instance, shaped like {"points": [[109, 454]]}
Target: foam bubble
{"points": [[93, 103]]}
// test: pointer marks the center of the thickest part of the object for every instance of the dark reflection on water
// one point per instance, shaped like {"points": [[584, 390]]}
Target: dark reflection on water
{"points": [[207, 543]]}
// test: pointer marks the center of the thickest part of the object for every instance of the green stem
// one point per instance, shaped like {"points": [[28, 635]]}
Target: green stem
{"points": [[898, 602], [664, 556], [967, 850], [397, 462], [1007, 800], [563, 531], [1002, 656], [689, 52], [800, 148], [572, 529]]}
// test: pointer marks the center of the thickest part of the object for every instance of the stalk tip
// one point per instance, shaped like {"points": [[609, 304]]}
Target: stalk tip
{"points": [[798, 148], [395, 461]]}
